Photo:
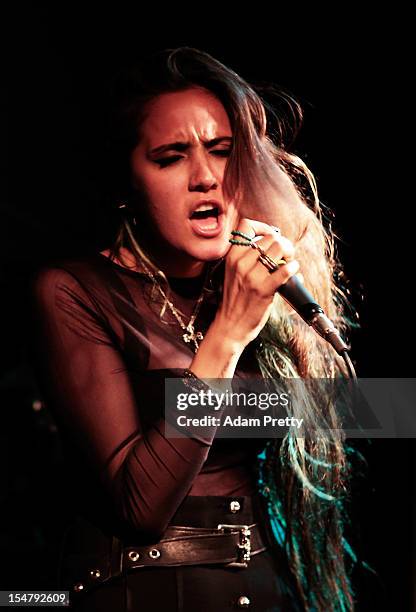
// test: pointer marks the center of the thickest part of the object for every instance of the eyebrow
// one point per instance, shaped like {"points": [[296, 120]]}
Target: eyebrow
{"points": [[183, 146]]}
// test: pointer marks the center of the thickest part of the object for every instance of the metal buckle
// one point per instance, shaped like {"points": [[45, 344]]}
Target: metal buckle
{"points": [[244, 545]]}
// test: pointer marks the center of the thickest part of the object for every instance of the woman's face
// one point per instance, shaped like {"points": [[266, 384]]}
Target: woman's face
{"points": [[178, 166]]}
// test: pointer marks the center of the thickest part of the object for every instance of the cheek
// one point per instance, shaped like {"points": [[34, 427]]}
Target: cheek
{"points": [[164, 197], [149, 191]]}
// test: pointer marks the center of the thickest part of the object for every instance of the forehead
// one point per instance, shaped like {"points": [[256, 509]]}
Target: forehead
{"points": [[190, 115]]}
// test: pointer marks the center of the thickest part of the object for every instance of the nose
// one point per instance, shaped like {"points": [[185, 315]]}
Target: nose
{"points": [[202, 178]]}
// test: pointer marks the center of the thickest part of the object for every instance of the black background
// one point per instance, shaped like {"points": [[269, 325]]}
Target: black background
{"points": [[351, 74]]}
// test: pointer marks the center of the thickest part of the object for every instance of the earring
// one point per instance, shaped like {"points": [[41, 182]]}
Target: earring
{"points": [[125, 209]]}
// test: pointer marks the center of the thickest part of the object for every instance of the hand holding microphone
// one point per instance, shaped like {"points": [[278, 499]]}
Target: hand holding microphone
{"points": [[249, 289], [276, 256]]}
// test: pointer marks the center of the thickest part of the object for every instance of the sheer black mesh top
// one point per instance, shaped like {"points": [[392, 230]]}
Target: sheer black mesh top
{"points": [[101, 351]]}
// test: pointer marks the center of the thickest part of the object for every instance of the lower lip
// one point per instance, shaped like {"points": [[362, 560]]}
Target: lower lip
{"points": [[209, 228]]}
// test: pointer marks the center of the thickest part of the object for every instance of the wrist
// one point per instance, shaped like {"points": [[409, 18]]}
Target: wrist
{"points": [[229, 343], [231, 335], [218, 354]]}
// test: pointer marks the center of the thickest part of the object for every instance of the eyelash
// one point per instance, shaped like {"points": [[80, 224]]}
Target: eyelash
{"points": [[167, 161]]}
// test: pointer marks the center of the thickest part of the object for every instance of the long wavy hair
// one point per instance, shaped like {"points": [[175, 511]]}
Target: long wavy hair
{"points": [[304, 481]]}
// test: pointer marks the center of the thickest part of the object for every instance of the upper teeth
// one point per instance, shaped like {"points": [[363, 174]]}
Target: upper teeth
{"points": [[202, 207]]}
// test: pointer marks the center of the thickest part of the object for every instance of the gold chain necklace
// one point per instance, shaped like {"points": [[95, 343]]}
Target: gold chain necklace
{"points": [[189, 335]]}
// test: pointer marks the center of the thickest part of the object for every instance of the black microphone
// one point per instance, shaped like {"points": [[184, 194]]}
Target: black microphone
{"points": [[301, 300]]}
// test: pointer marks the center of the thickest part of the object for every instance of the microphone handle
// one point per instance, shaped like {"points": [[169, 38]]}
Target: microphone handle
{"points": [[301, 300]]}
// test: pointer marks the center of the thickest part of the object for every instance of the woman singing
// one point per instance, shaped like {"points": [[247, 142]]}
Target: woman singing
{"points": [[187, 289]]}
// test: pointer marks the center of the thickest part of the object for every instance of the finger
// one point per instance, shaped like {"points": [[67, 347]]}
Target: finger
{"points": [[281, 248], [247, 256], [243, 256], [255, 228], [281, 276], [276, 246]]}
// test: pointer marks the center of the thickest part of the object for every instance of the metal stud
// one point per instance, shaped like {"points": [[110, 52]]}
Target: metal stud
{"points": [[154, 553], [95, 573], [243, 602], [133, 555], [78, 587], [234, 506]]}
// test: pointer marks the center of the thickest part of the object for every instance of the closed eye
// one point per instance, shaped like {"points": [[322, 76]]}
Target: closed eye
{"points": [[163, 162], [221, 152], [166, 161]]}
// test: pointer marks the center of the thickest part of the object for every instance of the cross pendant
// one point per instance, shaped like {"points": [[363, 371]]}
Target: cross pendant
{"points": [[192, 336]]}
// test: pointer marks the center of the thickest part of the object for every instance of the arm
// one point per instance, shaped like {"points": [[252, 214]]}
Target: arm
{"points": [[84, 378]]}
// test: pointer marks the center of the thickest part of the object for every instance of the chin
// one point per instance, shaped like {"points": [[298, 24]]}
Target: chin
{"points": [[211, 251]]}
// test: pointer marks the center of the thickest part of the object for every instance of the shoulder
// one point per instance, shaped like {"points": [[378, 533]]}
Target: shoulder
{"points": [[71, 270], [68, 299], [82, 277]]}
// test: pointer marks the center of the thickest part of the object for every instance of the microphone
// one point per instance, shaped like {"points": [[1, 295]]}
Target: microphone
{"points": [[299, 298]]}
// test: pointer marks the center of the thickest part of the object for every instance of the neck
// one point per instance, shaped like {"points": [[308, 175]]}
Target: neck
{"points": [[168, 259], [180, 269], [175, 267]]}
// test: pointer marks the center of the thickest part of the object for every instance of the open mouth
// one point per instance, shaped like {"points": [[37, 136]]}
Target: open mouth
{"points": [[210, 213], [206, 220]]}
